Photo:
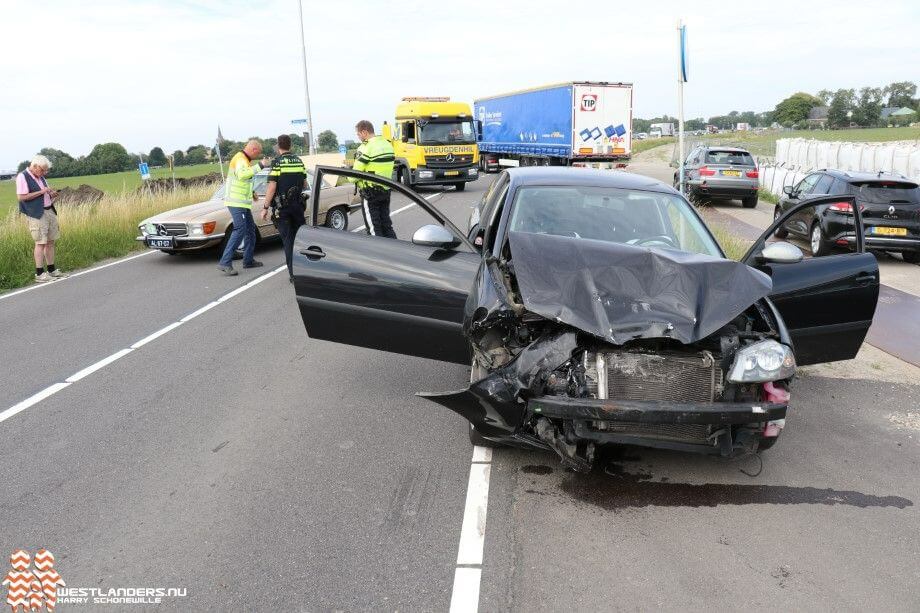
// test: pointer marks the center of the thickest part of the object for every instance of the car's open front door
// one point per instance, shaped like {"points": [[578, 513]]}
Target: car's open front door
{"points": [[405, 296], [827, 302]]}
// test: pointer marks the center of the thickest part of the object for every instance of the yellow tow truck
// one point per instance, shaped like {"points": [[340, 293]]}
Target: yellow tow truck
{"points": [[435, 142]]}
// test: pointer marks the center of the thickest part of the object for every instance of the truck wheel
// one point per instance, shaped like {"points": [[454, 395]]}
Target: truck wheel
{"points": [[405, 177], [460, 186]]}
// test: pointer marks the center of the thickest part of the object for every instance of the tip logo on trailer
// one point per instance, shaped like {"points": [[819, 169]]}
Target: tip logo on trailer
{"points": [[589, 102]]}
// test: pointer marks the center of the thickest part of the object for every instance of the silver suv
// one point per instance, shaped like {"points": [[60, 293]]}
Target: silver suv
{"points": [[721, 173]]}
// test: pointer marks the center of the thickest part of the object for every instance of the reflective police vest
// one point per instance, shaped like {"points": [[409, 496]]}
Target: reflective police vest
{"points": [[376, 157], [238, 190]]}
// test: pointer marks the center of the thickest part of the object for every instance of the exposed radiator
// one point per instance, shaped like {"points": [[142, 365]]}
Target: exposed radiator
{"points": [[676, 377]]}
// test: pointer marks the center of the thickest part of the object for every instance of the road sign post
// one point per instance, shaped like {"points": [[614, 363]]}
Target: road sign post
{"points": [[681, 79]]}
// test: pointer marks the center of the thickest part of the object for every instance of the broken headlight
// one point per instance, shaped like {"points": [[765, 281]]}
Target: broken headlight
{"points": [[763, 361]]}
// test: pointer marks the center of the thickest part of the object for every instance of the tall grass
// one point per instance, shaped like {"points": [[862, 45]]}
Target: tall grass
{"points": [[89, 232]]}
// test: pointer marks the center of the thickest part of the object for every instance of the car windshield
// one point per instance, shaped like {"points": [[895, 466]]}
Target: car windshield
{"points": [[446, 132], [738, 158], [633, 217]]}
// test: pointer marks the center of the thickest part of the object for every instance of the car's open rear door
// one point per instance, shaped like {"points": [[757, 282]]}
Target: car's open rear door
{"points": [[382, 293], [827, 302]]}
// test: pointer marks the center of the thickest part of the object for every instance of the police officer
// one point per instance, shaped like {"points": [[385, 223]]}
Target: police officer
{"points": [[283, 195], [375, 155]]}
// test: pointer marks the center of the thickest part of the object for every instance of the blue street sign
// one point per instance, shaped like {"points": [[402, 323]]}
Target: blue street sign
{"points": [[684, 62], [298, 122], [145, 170], [343, 149]]}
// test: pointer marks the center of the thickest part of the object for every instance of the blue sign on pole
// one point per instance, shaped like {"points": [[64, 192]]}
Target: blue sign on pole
{"points": [[343, 149], [684, 65], [145, 170]]}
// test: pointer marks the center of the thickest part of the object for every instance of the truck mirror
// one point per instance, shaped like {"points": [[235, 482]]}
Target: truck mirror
{"points": [[387, 131], [478, 129]]}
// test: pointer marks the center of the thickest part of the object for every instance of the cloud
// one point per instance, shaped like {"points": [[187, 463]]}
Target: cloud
{"points": [[165, 73]]}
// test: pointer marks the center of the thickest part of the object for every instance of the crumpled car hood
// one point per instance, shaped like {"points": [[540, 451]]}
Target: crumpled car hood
{"points": [[621, 292]]}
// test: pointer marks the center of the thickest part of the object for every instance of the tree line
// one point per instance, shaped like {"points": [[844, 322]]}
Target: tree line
{"points": [[113, 157], [845, 108]]}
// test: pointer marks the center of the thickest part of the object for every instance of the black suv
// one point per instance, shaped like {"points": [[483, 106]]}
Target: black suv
{"points": [[889, 203]]}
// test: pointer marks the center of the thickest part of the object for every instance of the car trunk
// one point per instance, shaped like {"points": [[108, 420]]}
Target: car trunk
{"points": [[889, 208]]}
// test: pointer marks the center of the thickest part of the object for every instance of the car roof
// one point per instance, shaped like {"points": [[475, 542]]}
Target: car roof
{"points": [[860, 175], [733, 149], [586, 177]]}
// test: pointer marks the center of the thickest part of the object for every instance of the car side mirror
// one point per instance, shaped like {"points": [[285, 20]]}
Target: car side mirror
{"points": [[781, 253], [434, 235], [788, 189]]}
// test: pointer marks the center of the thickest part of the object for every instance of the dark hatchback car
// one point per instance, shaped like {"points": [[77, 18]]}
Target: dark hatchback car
{"points": [[594, 307], [890, 207], [721, 173]]}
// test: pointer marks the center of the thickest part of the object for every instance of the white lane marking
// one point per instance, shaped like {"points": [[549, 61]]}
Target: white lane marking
{"points": [[400, 210], [71, 276], [465, 595], [467, 575], [33, 399], [80, 374], [100, 364]]}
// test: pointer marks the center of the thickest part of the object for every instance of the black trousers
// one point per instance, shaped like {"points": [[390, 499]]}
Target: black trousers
{"points": [[288, 221], [375, 205]]}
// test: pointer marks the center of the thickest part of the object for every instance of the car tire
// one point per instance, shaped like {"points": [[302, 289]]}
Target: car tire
{"points": [[911, 257], [766, 442], [477, 373], [819, 246], [749, 203], [780, 232], [337, 218], [460, 186]]}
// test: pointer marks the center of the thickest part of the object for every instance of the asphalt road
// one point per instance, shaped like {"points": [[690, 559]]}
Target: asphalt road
{"points": [[259, 469]]}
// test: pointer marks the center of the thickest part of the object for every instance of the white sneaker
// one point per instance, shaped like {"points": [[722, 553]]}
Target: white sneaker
{"points": [[43, 278], [57, 274]]}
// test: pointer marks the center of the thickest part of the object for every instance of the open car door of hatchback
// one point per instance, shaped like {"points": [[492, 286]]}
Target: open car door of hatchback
{"points": [[393, 295], [828, 302]]}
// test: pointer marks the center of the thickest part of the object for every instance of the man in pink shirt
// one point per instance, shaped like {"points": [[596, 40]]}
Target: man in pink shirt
{"points": [[36, 202]]}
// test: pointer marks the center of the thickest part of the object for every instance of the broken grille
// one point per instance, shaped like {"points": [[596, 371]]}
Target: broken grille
{"points": [[687, 433], [672, 377]]}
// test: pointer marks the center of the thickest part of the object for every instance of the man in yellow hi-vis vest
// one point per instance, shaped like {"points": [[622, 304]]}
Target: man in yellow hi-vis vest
{"points": [[238, 197], [375, 155]]}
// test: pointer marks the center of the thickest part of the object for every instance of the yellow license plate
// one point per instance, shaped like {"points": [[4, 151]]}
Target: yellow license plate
{"points": [[889, 231], [451, 173], [731, 173]]}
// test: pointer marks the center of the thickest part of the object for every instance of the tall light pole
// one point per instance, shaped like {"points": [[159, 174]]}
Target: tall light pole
{"points": [[306, 84], [681, 79]]}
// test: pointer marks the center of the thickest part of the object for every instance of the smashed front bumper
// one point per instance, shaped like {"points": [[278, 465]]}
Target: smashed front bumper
{"points": [[702, 427]]}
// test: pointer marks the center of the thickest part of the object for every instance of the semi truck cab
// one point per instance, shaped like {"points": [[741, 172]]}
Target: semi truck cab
{"points": [[434, 140]]}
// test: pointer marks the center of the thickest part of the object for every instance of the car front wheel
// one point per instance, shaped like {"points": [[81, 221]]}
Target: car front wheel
{"points": [[337, 219], [780, 232], [819, 246]]}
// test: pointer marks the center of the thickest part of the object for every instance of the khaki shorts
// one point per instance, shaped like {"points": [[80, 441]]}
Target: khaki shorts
{"points": [[45, 229]]}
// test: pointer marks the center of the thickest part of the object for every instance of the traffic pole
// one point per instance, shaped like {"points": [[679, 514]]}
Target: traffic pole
{"points": [[306, 83], [681, 77]]}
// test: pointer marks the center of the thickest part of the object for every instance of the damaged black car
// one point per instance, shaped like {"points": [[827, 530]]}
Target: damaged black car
{"points": [[594, 307]]}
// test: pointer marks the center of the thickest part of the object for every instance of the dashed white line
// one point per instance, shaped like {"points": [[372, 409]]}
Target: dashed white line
{"points": [[85, 372], [468, 574], [73, 275]]}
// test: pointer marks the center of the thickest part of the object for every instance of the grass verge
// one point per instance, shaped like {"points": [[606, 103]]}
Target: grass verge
{"points": [[89, 233], [638, 146], [111, 183]]}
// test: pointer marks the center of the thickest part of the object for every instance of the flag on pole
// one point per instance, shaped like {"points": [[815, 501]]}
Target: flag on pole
{"points": [[220, 158]]}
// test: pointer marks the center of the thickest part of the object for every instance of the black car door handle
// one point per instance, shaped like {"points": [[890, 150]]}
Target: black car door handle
{"points": [[865, 278], [313, 252]]}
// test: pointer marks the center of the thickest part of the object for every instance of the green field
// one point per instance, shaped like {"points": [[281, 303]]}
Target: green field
{"points": [[764, 143], [111, 184]]}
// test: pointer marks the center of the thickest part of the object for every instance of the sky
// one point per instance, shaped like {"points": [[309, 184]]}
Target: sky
{"points": [[167, 72]]}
